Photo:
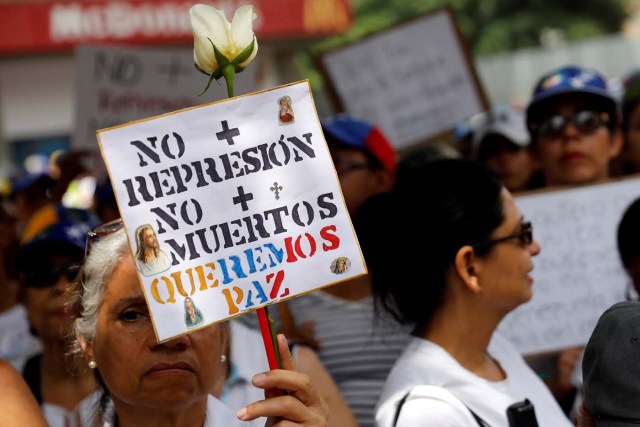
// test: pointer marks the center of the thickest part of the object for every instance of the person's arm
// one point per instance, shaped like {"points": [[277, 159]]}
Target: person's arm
{"points": [[17, 405], [309, 363], [560, 383], [302, 404]]}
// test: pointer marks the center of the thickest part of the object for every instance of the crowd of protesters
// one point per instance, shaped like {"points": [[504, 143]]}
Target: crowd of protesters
{"points": [[85, 359]]}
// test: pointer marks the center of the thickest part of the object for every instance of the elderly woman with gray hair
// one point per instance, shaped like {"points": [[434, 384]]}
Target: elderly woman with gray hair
{"points": [[166, 384]]}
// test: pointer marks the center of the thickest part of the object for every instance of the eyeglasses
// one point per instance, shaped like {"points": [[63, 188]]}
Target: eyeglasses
{"points": [[344, 167], [45, 276], [101, 231], [525, 235], [585, 121]]}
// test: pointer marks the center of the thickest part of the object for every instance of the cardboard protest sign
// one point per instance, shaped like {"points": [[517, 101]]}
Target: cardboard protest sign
{"points": [[577, 274], [416, 79], [244, 203], [116, 85]]}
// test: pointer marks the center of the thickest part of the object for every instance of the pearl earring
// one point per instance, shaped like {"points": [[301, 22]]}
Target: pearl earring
{"points": [[223, 358], [93, 364]]}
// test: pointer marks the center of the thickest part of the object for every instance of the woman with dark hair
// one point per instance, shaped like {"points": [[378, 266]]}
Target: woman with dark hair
{"points": [[466, 255]]}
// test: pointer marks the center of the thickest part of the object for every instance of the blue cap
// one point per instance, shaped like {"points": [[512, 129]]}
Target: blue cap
{"points": [[22, 183], [55, 250], [359, 134], [67, 235], [71, 232], [571, 79]]}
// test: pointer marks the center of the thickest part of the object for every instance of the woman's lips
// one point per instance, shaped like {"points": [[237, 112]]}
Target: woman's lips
{"points": [[573, 157], [171, 367]]}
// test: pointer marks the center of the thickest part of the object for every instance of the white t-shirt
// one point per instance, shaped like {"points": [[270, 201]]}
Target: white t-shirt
{"points": [[57, 416], [16, 342], [217, 415], [247, 357], [426, 363], [359, 345], [220, 415]]}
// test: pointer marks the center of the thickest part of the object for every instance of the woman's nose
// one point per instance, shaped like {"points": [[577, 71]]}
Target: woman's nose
{"points": [[180, 343], [534, 248]]}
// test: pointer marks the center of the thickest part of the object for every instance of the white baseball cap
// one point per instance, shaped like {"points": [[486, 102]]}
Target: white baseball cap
{"points": [[507, 122]]}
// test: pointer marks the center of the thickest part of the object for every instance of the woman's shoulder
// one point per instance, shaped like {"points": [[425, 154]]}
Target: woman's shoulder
{"points": [[423, 405], [422, 362]]}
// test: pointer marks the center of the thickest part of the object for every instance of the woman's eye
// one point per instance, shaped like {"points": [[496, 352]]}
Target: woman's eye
{"points": [[132, 315]]}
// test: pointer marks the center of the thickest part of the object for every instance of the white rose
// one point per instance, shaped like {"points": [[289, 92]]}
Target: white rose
{"points": [[218, 43]]}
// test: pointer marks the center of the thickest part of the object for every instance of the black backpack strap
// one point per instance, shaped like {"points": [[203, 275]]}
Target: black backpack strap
{"points": [[480, 421], [400, 403]]}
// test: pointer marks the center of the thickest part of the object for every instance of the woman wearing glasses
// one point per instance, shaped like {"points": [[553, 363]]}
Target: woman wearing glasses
{"points": [[47, 264], [467, 256], [166, 384], [575, 126]]}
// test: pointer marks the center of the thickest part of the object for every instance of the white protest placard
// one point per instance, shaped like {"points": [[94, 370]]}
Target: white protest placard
{"points": [[578, 273], [116, 85], [244, 201], [415, 80]]}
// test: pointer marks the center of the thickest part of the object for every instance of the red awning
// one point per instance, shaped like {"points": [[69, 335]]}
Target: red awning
{"points": [[58, 26]]}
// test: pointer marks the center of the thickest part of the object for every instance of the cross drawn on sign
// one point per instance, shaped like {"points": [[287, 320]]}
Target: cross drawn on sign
{"points": [[227, 133], [276, 190], [242, 198], [247, 249]]}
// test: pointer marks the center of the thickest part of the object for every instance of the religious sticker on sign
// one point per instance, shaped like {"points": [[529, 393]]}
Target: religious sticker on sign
{"points": [[230, 206]]}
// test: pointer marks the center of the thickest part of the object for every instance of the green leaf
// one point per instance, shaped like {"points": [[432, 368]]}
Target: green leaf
{"points": [[245, 54], [208, 83], [220, 58], [200, 69]]}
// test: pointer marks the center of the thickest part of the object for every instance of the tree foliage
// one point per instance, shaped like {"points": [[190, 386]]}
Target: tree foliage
{"points": [[488, 26], [492, 26]]}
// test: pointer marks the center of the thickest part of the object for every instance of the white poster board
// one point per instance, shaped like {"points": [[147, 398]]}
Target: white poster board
{"points": [[578, 273], [414, 80], [116, 85], [247, 207]]}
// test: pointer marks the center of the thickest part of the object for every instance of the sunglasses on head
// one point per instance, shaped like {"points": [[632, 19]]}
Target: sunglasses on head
{"points": [[101, 231], [586, 121], [49, 275]]}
